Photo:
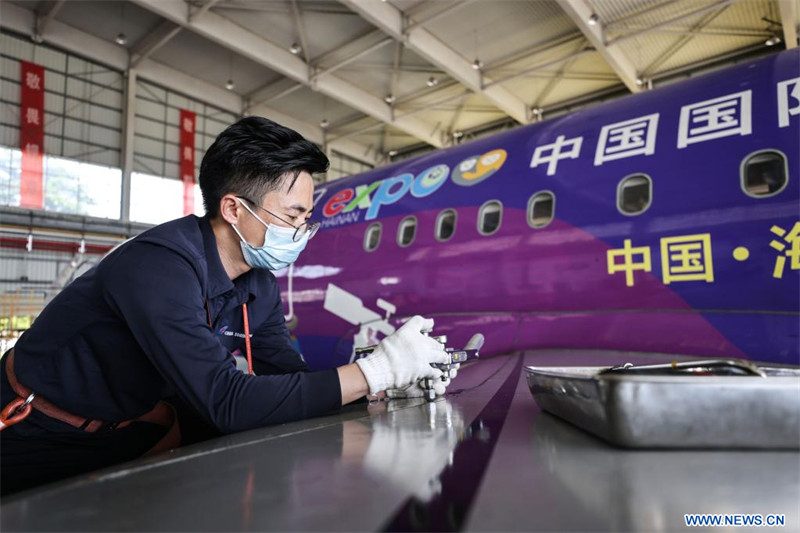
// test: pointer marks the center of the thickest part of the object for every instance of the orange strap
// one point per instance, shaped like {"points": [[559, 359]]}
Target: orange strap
{"points": [[15, 411], [247, 340], [246, 334], [45, 406], [19, 408]]}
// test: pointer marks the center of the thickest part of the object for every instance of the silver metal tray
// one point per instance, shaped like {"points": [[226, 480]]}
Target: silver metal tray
{"points": [[668, 407]]}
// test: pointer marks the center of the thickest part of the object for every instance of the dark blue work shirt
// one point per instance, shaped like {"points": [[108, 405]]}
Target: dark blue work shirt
{"points": [[134, 330]]}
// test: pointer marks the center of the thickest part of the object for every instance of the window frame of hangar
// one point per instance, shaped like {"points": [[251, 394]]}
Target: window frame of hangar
{"points": [[481, 212], [367, 233], [60, 119], [438, 226], [630, 177], [158, 95], [532, 201], [743, 172], [400, 227]]}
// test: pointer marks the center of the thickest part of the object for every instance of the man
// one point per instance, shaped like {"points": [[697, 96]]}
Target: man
{"points": [[144, 325]]}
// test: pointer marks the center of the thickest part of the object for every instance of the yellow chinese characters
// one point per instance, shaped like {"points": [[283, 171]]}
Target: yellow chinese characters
{"points": [[683, 258], [793, 239], [628, 264], [687, 258]]}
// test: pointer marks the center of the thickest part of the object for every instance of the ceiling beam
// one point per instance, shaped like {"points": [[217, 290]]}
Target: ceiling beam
{"points": [[395, 77], [551, 63], [315, 134], [555, 79], [545, 46], [706, 32], [196, 12], [45, 17], [23, 21], [580, 75], [790, 21], [449, 10], [392, 21], [682, 42], [353, 58], [153, 41], [653, 28], [349, 48], [301, 29], [272, 91], [367, 66], [579, 12], [639, 13], [178, 81], [230, 35], [433, 105]]}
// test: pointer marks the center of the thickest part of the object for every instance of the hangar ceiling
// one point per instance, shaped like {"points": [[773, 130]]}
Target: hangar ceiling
{"points": [[377, 80]]}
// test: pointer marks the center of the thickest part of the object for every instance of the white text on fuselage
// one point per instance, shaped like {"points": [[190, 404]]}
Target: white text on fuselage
{"points": [[723, 116], [338, 220]]}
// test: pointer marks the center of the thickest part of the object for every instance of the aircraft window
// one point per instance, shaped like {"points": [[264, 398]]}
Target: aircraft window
{"points": [[446, 224], [489, 217], [764, 173], [406, 231], [634, 194], [372, 238], [541, 209]]}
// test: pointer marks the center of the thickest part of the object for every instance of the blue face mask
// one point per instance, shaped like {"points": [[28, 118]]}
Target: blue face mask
{"points": [[278, 250]]}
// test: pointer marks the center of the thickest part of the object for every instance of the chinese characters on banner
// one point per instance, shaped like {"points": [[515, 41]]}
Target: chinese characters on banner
{"points": [[187, 159], [31, 134]]}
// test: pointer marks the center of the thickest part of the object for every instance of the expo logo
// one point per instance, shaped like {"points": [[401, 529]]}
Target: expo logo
{"points": [[469, 172]]}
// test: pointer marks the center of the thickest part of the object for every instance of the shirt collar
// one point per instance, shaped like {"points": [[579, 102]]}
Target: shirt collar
{"points": [[218, 280]]}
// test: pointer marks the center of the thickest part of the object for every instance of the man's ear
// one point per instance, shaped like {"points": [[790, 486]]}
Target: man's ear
{"points": [[229, 209]]}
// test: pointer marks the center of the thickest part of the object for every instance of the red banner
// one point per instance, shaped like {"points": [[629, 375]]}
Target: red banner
{"points": [[187, 160], [31, 134]]}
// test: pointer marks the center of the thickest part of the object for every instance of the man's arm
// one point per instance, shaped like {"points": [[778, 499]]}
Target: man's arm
{"points": [[272, 354], [272, 351], [159, 296], [352, 382]]}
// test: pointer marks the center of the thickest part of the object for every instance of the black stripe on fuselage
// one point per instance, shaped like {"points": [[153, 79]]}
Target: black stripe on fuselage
{"points": [[460, 481]]}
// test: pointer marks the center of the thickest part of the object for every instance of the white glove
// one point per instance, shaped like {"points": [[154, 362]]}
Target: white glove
{"points": [[415, 390], [403, 358]]}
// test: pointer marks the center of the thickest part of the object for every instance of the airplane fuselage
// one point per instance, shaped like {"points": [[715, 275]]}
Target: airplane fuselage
{"points": [[666, 222]]}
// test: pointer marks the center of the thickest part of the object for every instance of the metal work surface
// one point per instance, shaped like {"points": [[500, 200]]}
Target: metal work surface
{"points": [[485, 458]]}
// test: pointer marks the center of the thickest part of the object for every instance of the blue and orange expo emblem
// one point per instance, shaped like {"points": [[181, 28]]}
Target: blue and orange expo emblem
{"points": [[478, 168]]}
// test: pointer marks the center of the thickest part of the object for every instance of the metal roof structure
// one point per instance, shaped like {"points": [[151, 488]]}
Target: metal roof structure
{"points": [[375, 79]]}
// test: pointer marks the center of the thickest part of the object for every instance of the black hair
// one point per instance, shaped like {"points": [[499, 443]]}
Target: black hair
{"points": [[253, 157]]}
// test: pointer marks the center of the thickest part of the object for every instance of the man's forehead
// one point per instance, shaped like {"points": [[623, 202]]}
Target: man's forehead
{"points": [[302, 180], [296, 193]]}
